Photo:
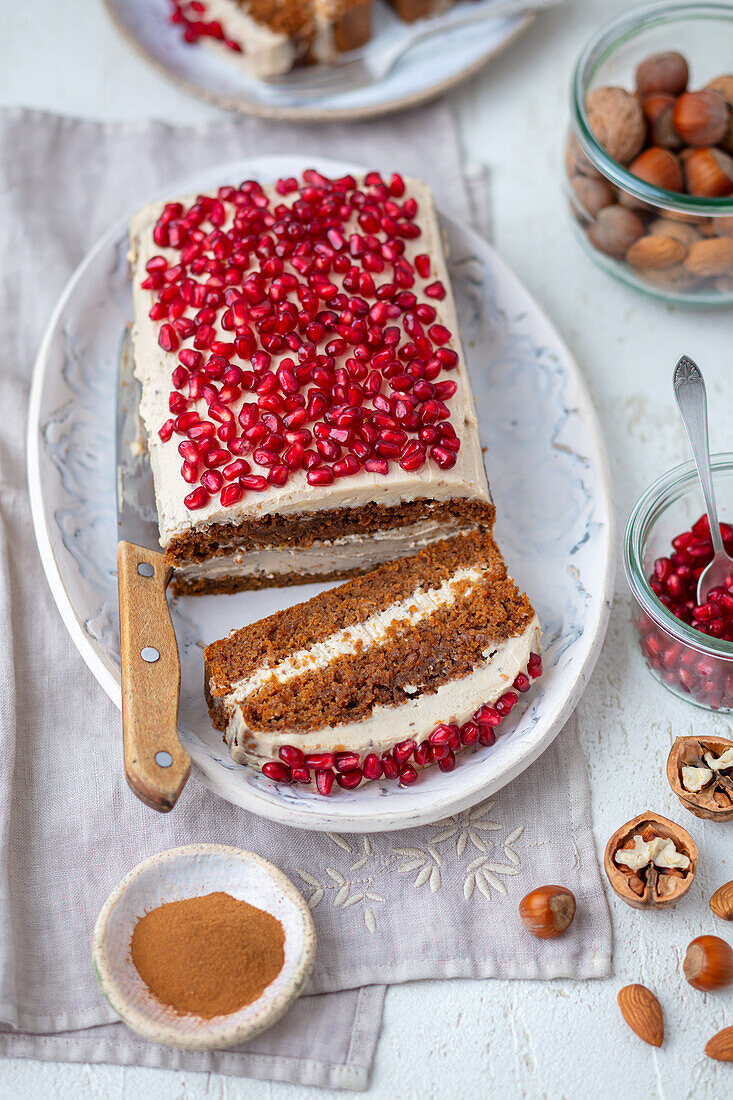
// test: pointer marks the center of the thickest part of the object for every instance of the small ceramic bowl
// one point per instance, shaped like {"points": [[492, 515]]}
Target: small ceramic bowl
{"points": [[191, 872]]}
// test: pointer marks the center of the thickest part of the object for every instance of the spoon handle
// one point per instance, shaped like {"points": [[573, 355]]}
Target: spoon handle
{"points": [[689, 391]]}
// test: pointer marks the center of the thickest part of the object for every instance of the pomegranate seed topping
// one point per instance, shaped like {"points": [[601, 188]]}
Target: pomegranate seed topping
{"points": [[300, 775], [534, 665], [435, 290], [231, 494], [441, 735], [422, 754], [346, 761], [391, 768], [324, 781], [349, 780], [403, 751], [292, 756], [197, 499], [320, 760], [166, 431], [487, 716], [448, 763], [469, 733], [372, 767], [408, 776], [255, 482], [212, 481], [278, 773], [521, 682], [320, 475]]}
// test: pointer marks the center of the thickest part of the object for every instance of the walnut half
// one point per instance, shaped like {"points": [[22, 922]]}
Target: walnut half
{"points": [[651, 862], [700, 772]]}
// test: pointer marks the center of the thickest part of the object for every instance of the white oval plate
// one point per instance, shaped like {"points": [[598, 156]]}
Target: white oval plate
{"points": [[426, 71], [547, 467], [192, 872]]}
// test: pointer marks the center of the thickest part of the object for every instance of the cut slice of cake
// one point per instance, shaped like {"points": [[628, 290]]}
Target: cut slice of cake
{"points": [[269, 38], [304, 389], [381, 676]]}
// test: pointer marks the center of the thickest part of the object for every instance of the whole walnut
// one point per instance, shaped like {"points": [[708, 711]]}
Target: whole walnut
{"points": [[617, 120]]}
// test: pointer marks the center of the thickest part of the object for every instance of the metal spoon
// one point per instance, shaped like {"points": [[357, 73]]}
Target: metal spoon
{"points": [[689, 391]]}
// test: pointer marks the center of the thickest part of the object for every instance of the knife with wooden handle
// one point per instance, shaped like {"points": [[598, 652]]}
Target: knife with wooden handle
{"points": [[156, 764]]}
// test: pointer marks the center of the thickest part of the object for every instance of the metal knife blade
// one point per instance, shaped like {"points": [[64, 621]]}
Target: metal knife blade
{"points": [[137, 516]]}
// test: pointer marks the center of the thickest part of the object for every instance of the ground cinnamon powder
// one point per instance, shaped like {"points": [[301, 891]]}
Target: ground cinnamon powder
{"points": [[208, 956]]}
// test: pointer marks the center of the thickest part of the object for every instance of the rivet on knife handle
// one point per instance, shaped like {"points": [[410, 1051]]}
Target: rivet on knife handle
{"points": [[156, 765]]}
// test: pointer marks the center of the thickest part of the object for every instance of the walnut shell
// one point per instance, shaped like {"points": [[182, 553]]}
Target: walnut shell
{"points": [[617, 120], [714, 802], [650, 897]]}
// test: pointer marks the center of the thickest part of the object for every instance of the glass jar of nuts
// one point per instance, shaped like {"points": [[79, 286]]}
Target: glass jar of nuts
{"points": [[649, 155]]}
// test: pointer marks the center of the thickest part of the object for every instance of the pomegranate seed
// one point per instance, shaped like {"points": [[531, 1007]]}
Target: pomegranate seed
{"points": [[231, 494], [300, 775], [408, 776], [403, 751], [346, 761], [166, 431], [350, 779], [324, 781], [521, 682], [441, 735], [292, 756], [435, 290], [534, 665], [278, 773], [391, 768], [448, 763], [372, 767], [320, 475], [469, 733], [197, 499], [321, 760], [256, 482]]}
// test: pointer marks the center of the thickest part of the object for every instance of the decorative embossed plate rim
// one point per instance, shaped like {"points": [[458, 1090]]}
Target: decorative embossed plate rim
{"points": [[546, 462], [426, 72]]}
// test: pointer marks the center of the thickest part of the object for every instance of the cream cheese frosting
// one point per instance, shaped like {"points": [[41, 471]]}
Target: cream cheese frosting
{"points": [[453, 702], [467, 479], [265, 52]]}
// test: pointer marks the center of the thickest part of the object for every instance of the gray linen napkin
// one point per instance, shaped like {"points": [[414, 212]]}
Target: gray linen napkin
{"points": [[439, 901]]}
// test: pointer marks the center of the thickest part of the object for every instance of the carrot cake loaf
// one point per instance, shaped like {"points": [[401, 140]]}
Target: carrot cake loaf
{"points": [[381, 676], [304, 389], [270, 37]]}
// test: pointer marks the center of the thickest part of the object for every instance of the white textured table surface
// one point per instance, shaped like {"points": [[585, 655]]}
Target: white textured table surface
{"points": [[508, 1039]]}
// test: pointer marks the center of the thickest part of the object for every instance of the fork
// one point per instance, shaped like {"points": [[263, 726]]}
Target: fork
{"points": [[358, 69]]}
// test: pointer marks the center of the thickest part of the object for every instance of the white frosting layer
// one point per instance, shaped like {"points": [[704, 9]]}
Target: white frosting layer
{"points": [[321, 558], [153, 366], [455, 701]]}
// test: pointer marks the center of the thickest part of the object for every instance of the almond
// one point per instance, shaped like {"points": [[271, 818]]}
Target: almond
{"points": [[720, 1047], [643, 1013], [721, 902], [713, 256], [656, 251]]}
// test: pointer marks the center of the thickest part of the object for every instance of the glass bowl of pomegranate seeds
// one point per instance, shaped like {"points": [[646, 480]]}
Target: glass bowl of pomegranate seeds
{"points": [[687, 647], [649, 151]]}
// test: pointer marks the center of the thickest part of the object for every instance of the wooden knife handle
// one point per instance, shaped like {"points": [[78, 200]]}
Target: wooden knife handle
{"points": [[156, 764]]}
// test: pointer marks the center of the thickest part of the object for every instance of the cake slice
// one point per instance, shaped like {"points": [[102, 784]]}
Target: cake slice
{"points": [[269, 38], [304, 388], [381, 676]]}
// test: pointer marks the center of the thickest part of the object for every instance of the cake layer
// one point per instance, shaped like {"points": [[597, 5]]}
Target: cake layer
{"points": [[314, 390], [233, 569], [378, 662]]}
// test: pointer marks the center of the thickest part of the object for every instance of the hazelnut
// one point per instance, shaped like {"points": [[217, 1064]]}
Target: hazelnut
{"points": [[658, 109], [708, 963], [721, 902], [591, 195], [617, 120], [651, 862], [615, 230], [701, 118], [679, 231], [576, 162], [708, 258], [709, 173], [675, 278], [656, 252], [723, 85], [547, 911], [662, 72], [704, 790], [659, 167]]}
